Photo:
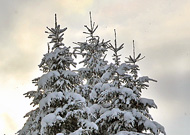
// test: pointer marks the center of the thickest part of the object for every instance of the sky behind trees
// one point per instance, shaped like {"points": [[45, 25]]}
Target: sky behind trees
{"points": [[160, 29]]}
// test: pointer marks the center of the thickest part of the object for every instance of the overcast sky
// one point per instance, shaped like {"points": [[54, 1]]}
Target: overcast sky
{"points": [[160, 28]]}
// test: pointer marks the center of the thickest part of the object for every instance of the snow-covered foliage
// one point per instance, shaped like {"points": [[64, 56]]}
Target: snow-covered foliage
{"points": [[93, 52], [59, 109], [101, 98], [94, 63]]}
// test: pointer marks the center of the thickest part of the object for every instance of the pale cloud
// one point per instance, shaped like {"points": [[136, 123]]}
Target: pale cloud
{"points": [[9, 123], [75, 6], [13, 104]]}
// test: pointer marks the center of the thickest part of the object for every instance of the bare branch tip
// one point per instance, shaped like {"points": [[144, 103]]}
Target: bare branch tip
{"points": [[115, 33], [134, 49], [90, 19], [55, 20]]}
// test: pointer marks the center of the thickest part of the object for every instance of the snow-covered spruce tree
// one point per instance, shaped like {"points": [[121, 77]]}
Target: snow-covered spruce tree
{"points": [[59, 109], [94, 66], [125, 111], [94, 63]]}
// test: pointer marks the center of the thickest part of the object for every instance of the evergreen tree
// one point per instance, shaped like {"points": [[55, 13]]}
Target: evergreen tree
{"points": [[59, 109], [94, 63], [126, 112], [94, 66]]}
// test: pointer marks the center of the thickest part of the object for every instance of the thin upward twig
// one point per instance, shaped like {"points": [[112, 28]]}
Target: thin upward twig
{"points": [[133, 49], [55, 20], [115, 39], [91, 22]]}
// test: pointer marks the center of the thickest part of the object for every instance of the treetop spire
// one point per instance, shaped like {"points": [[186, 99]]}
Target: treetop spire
{"points": [[133, 59], [55, 20], [134, 49], [90, 20], [116, 49], [56, 35], [92, 28]]}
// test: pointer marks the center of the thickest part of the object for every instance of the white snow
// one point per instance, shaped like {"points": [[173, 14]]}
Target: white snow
{"points": [[105, 86], [150, 125], [59, 134], [144, 79], [129, 133], [148, 102], [74, 97], [44, 79], [122, 68], [68, 74], [160, 127], [77, 132], [89, 125], [125, 94], [128, 117], [95, 108], [110, 114], [106, 76], [49, 98], [49, 120]]}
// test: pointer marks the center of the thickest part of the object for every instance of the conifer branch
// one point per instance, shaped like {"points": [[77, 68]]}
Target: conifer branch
{"points": [[91, 29], [133, 59], [48, 47], [115, 49]]}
